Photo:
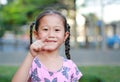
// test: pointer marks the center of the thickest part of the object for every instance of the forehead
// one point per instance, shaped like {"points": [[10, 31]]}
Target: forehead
{"points": [[52, 17]]}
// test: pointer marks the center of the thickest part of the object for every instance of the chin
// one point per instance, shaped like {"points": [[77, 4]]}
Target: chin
{"points": [[50, 49]]}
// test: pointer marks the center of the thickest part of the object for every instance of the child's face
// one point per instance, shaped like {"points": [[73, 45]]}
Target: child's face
{"points": [[51, 30]]}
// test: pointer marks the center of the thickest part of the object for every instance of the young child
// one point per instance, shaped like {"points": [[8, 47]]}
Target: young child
{"points": [[43, 62]]}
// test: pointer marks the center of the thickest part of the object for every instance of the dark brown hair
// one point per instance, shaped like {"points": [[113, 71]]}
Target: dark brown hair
{"points": [[66, 25]]}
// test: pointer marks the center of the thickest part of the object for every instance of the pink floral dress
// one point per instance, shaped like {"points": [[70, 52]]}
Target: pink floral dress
{"points": [[68, 72]]}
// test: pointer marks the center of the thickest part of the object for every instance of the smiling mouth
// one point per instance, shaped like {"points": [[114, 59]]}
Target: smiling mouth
{"points": [[50, 41]]}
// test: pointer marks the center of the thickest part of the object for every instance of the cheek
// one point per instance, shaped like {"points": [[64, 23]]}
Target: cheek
{"points": [[42, 35], [62, 37]]}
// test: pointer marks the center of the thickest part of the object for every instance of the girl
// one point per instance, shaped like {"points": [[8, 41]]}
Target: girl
{"points": [[43, 62]]}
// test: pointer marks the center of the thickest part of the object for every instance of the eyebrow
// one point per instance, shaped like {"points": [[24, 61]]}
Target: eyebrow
{"points": [[54, 26]]}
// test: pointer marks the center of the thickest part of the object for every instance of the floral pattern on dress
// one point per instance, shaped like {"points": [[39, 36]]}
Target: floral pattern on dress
{"points": [[65, 72], [47, 80], [69, 72], [50, 73], [34, 76], [77, 71], [37, 62]]}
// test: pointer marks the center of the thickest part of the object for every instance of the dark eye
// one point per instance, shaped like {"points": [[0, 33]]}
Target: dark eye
{"points": [[45, 29], [57, 29]]}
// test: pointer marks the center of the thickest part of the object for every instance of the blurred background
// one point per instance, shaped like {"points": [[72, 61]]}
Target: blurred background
{"points": [[94, 23], [95, 34]]}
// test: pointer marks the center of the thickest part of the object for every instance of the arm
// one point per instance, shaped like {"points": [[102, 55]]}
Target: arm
{"points": [[22, 73]]}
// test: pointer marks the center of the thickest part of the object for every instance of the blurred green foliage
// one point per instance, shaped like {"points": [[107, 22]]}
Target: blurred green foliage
{"points": [[19, 12]]}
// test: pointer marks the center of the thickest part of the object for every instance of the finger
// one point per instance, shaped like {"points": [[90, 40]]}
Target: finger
{"points": [[43, 39], [39, 43], [36, 49]]}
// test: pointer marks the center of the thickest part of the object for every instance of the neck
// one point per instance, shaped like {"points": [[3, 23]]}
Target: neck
{"points": [[48, 54]]}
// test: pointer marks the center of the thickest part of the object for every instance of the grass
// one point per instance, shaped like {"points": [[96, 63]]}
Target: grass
{"points": [[100, 73], [90, 73], [6, 73]]}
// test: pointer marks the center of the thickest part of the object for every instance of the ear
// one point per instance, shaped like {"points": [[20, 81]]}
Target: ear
{"points": [[66, 35], [36, 34]]}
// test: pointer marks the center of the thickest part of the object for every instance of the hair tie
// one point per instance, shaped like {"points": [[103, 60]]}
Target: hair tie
{"points": [[33, 23]]}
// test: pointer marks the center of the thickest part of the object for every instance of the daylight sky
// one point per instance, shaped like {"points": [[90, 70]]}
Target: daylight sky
{"points": [[108, 9]]}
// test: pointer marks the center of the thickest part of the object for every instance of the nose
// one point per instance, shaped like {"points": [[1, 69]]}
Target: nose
{"points": [[51, 34]]}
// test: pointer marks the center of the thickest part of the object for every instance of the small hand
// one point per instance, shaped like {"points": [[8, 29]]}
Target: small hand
{"points": [[36, 47]]}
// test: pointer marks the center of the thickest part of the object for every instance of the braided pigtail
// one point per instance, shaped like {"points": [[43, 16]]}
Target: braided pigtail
{"points": [[67, 43], [31, 30]]}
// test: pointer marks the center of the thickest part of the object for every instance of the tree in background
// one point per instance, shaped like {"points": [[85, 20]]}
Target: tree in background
{"points": [[19, 12]]}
